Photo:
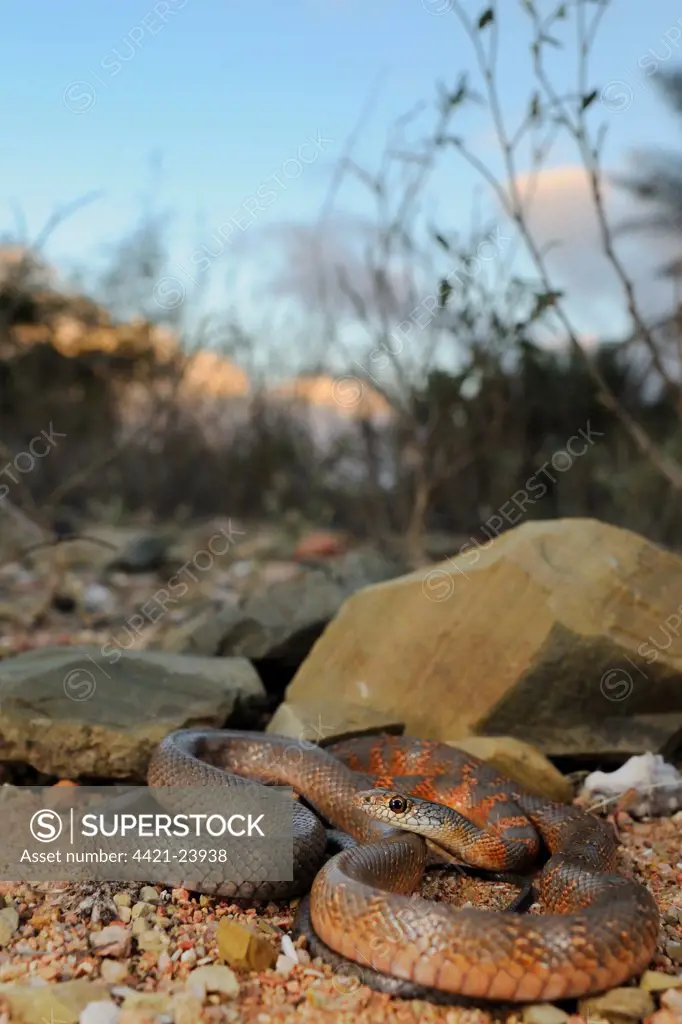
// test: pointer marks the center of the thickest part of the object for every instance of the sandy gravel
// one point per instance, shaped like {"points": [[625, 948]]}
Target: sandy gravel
{"points": [[155, 944]]}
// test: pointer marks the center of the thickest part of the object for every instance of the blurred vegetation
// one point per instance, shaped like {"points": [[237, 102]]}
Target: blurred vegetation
{"points": [[478, 446]]}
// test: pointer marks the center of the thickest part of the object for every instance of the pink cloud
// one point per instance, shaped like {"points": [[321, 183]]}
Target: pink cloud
{"points": [[562, 214]]}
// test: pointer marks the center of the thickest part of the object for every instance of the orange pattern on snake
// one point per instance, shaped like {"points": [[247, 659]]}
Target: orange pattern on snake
{"points": [[600, 928]]}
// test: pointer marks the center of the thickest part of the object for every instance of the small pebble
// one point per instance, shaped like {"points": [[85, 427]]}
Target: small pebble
{"points": [[672, 1000], [97, 598], [142, 909], [213, 978], [285, 966], [148, 1004], [288, 948], [9, 922], [623, 1004], [544, 1013], [658, 981], [186, 1008], [153, 940], [672, 948], [113, 941], [243, 946], [104, 1012], [114, 971], [148, 894], [663, 1017]]}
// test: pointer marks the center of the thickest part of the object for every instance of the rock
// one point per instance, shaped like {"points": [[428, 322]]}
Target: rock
{"points": [[663, 1017], [544, 1013], [321, 544], [97, 598], [71, 711], [144, 554], [152, 1003], [673, 949], [62, 1003], [285, 965], [546, 634], [522, 762], [244, 947], [149, 894], [186, 1008], [672, 1000], [213, 978], [9, 922], [103, 1012], [283, 621], [658, 981], [649, 786], [153, 940], [113, 941], [319, 722], [114, 972], [142, 909], [140, 925], [619, 1006]]}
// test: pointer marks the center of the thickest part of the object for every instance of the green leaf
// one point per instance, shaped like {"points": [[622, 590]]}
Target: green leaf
{"points": [[543, 301], [444, 292], [534, 110], [486, 18]]}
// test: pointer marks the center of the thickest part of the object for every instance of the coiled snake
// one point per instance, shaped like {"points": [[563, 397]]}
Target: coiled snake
{"points": [[600, 928]]}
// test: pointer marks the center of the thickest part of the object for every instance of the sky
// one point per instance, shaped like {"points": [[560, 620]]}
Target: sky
{"points": [[202, 106]]}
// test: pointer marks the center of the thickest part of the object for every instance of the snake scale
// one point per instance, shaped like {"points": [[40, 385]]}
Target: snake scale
{"points": [[599, 928]]}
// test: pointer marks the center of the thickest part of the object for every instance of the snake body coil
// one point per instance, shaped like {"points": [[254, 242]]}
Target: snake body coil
{"points": [[600, 928]]}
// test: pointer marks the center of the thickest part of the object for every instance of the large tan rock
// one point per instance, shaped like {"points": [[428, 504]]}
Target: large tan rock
{"points": [[565, 634], [327, 722]]}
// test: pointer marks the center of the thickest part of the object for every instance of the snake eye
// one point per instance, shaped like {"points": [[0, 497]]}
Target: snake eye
{"points": [[397, 804]]}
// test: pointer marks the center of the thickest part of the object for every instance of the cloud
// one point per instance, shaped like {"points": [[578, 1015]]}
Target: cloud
{"points": [[321, 266], [563, 211], [316, 266]]}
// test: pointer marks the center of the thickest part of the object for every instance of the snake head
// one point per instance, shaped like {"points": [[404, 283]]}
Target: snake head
{"points": [[386, 805]]}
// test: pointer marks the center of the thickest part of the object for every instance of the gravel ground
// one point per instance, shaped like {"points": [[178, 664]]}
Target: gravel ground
{"points": [[142, 956]]}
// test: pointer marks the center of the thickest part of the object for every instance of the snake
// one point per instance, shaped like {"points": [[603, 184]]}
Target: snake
{"points": [[399, 802]]}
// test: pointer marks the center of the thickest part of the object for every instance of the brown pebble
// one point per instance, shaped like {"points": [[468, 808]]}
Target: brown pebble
{"points": [[244, 946], [620, 1005], [112, 941], [544, 1013], [659, 981]]}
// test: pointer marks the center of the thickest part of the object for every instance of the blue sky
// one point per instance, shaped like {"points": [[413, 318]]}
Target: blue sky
{"points": [[223, 93]]}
